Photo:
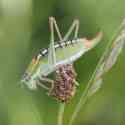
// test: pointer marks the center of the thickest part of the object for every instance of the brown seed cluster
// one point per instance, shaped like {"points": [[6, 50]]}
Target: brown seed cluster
{"points": [[64, 85]]}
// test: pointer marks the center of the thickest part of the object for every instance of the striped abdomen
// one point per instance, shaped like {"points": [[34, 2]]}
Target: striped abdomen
{"points": [[59, 45]]}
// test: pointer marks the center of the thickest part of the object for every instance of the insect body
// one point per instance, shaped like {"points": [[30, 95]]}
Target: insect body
{"points": [[57, 54]]}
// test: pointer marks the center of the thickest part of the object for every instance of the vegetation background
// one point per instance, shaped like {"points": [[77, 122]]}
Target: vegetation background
{"points": [[24, 29]]}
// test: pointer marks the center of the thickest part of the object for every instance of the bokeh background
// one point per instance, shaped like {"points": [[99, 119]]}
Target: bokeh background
{"points": [[24, 29]]}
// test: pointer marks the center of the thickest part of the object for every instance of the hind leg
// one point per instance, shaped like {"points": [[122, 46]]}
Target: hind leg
{"points": [[43, 81], [74, 26]]}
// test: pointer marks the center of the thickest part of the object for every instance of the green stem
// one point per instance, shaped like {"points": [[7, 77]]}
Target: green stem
{"points": [[61, 114]]}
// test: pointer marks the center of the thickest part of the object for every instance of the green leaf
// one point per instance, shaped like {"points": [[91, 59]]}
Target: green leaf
{"points": [[106, 62]]}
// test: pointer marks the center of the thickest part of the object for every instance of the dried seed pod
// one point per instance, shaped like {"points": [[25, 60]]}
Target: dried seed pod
{"points": [[64, 85]]}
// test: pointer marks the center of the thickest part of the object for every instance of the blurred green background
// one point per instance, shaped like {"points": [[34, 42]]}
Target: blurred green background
{"points": [[24, 29]]}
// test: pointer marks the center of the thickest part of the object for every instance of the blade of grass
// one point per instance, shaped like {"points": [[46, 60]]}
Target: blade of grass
{"points": [[61, 114], [118, 37]]}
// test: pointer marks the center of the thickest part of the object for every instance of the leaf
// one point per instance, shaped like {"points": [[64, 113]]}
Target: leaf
{"points": [[108, 59], [106, 62]]}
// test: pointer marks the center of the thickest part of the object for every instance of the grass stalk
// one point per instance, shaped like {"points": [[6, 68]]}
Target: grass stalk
{"points": [[61, 114]]}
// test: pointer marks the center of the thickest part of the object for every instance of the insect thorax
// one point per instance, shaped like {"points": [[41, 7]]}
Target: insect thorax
{"points": [[64, 85]]}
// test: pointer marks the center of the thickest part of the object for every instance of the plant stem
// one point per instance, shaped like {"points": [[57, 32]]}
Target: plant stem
{"points": [[82, 101], [61, 113]]}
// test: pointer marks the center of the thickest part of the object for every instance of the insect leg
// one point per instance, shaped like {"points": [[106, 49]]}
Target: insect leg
{"points": [[51, 54], [77, 84], [53, 21], [46, 80], [43, 85], [75, 25]]}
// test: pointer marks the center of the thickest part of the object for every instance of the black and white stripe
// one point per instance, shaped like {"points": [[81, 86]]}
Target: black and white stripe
{"points": [[61, 44]]}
